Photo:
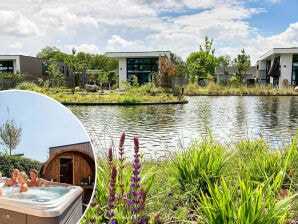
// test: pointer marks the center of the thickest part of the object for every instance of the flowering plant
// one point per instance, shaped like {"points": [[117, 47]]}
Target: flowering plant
{"points": [[126, 206]]}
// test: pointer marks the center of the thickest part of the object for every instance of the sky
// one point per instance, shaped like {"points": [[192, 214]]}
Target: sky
{"points": [[180, 26], [44, 122]]}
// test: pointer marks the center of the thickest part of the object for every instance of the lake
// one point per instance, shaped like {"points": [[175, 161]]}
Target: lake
{"points": [[164, 128]]}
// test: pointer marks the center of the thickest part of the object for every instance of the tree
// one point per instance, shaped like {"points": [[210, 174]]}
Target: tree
{"points": [[80, 62], [201, 64], [167, 71], [242, 63], [56, 76], [48, 52], [102, 62], [10, 134], [76, 67]]}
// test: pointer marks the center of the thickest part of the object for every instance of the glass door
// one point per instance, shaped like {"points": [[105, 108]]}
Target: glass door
{"points": [[66, 170], [294, 79]]}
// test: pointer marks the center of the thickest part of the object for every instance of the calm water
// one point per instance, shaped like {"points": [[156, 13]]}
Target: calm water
{"points": [[164, 127]]}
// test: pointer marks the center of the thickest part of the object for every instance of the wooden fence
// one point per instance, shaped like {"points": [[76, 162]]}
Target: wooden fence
{"points": [[7, 84]]}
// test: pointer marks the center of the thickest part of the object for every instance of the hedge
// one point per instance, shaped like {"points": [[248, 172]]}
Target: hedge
{"points": [[10, 162]]}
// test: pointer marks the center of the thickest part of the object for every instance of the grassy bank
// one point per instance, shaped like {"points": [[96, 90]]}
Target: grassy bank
{"points": [[146, 93], [216, 89], [205, 182], [151, 93]]}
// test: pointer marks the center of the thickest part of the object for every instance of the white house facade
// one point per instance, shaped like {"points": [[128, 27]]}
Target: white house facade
{"points": [[10, 63], [279, 67], [140, 64]]}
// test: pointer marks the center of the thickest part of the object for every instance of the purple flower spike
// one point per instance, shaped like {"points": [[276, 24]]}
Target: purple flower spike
{"points": [[112, 196], [110, 156], [136, 142], [136, 172], [121, 159], [122, 139], [137, 194]]}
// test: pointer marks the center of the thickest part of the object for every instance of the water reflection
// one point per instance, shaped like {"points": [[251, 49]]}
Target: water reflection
{"points": [[278, 115], [293, 110], [164, 127]]}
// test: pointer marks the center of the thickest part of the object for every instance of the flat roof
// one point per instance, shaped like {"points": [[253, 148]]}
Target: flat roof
{"points": [[138, 54], [277, 51]]}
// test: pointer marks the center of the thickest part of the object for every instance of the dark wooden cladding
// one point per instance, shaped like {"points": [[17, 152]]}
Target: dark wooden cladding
{"points": [[84, 146]]}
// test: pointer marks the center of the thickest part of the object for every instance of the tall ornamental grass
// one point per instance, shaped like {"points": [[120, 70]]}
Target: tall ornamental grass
{"points": [[257, 161], [242, 204], [200, 159]]}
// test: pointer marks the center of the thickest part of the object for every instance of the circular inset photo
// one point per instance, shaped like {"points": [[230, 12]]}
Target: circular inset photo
{"points": [[47, 163]]}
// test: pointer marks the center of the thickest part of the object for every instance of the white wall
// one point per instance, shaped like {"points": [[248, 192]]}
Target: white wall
{"points": [[262, 65], [16, 65], [122, 71], [15, 59], [285, 68]]}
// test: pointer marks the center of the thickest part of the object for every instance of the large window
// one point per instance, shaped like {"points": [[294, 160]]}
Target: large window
{"points": [[6, 66], [294, 80], [44, 68], [143, 68]]}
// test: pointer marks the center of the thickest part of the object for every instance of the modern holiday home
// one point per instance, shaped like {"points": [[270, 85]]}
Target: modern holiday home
{"points": [[141, 64], [279, 66]]}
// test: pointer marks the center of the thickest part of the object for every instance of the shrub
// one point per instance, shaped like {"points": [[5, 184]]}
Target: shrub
{"points": [[10, 162], [130, 99], [28, 86], [18, 77]]}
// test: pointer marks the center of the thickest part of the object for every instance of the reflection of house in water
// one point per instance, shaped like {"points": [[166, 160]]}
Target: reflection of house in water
{"points": [[73, 164]]}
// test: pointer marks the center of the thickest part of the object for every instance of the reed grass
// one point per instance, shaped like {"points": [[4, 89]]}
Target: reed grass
{"points": [[243, 204], [218, 89], [201, 158]]}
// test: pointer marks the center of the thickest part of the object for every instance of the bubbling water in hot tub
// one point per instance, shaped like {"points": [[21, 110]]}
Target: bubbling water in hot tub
{"points": [[36, 194], [51, 205]]}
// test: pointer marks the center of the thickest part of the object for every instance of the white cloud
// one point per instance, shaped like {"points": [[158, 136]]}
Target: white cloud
{"points": [[274, 1], [88, 48], [17, 24], [290, 35], [131, 25], [260, 45], [63, 20], [15, 45], [117, 43]]}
